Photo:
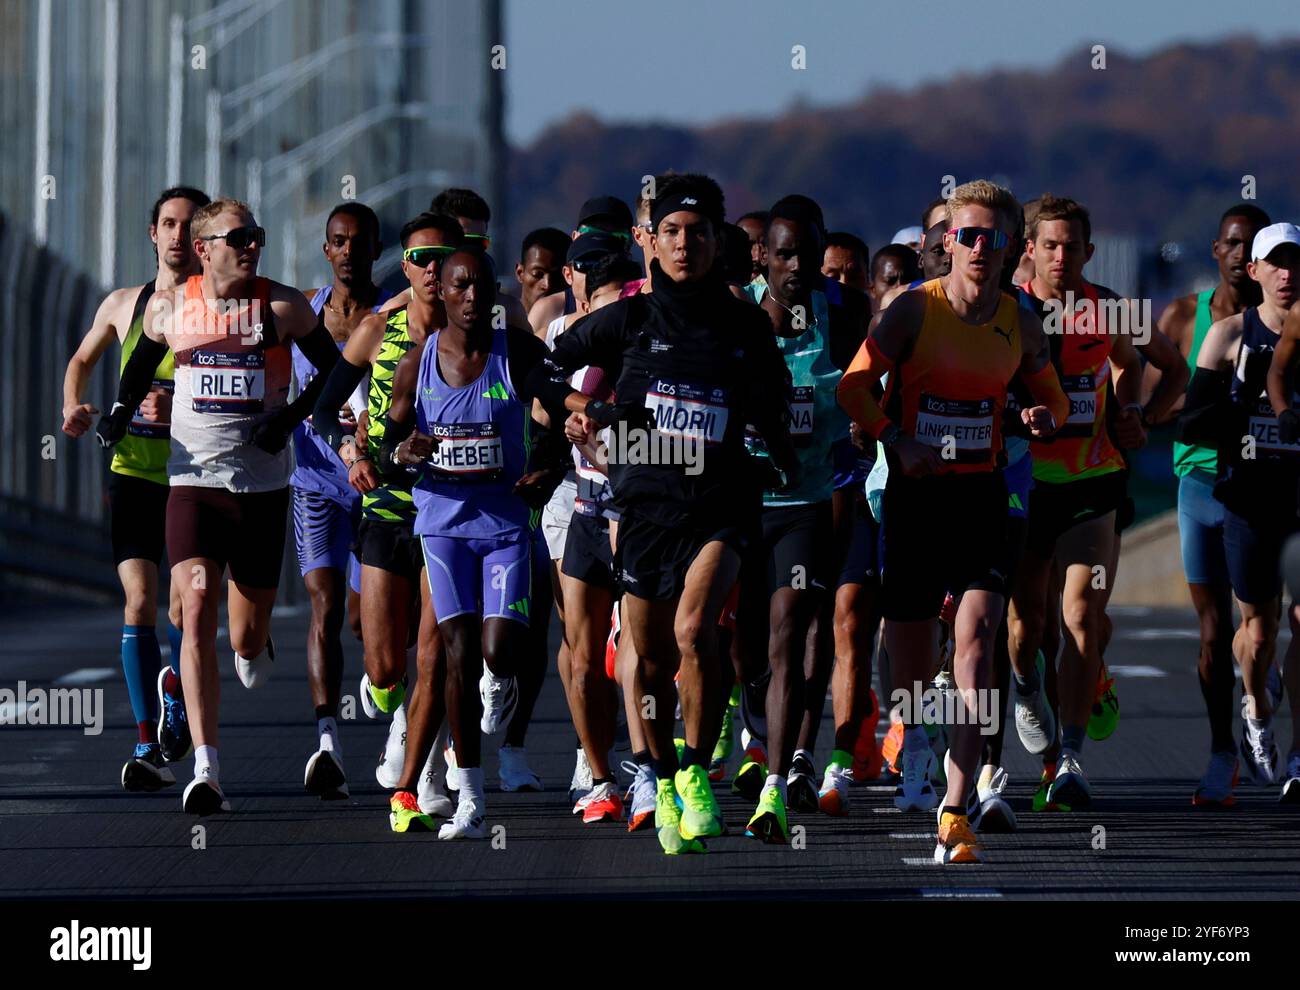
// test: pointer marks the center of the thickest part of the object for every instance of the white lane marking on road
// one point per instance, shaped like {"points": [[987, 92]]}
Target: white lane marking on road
{"points": [[919, 861], [911, 835], [1148, 634], [886, 811], [961, 893], [1136, 611], [87, 675], [881, 788], [1135, 670]]}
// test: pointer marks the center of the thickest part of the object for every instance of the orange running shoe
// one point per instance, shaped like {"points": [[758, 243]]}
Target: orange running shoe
{"points": [[867, 759], [892, 748], [601, 804], [957, 842]]}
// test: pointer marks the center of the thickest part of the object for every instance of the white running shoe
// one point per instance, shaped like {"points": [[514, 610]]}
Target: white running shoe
{"points": [[1291, 786], [324, 776], [467, 823], [915, 792], [1220, 778], [431, 792], [1035, 720], [257, 671], [1258, 749], [393, 759], [367, 701], [581, 783], [995, 815], [203, 796], [640, 796], [1070, 789], [500, 695], [514, 772], [452, 778], [833, 798]]}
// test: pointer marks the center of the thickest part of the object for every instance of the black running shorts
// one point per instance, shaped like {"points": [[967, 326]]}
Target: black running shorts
{"points": [[242, 530], [390, 546], [138, 518], [1055, 509]]}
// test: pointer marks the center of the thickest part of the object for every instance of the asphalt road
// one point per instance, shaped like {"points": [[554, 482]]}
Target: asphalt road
{"points": [[68, 830]]}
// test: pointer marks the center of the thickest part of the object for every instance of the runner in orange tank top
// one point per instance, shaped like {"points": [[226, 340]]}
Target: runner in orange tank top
{"points": [[950, 350]]}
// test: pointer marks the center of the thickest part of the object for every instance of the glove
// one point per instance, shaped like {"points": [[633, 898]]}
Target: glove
{"points": [[271, 434], [609, 413], [1288, 426], [112, 428]]}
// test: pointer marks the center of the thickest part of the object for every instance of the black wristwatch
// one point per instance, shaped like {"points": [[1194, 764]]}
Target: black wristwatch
{"points": [[890, 435]]}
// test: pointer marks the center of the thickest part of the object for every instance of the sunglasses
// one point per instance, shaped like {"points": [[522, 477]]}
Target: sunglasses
{"points": [[969, 236], [240, 237], [587, 229], [423, 257], [586, 263], [485, 239]]}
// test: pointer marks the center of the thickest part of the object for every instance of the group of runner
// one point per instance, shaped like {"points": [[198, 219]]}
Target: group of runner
{"points": [[727, 456]]}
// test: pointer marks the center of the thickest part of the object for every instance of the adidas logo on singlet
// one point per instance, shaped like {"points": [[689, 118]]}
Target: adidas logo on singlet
{"points": [[520, 606], [497, 391]]}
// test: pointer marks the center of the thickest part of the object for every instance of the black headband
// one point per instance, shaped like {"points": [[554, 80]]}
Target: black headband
{"points": [[705, 206]]}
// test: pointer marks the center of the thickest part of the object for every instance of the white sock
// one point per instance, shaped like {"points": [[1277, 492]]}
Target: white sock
{"points": [[471, 784], [399, 716], [329, 734], [205, 762], [777, 781]]}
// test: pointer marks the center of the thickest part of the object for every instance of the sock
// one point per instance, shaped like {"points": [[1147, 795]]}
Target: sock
{"points": [[642, 758], [1027, 683], [1072, 737], [328, 730], [734, 700], [841, 759], [777, 781], [399, 716], [471, 784], [597, 781], [174, 638], [205, 762], [666, 766], [690, 757], [141, 659]]}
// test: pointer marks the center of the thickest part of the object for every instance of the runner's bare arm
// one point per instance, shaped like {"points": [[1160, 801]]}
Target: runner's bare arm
{"points": [[1163, 355], [103, 330], [889, 342], [1052, 407], [1175, 323], [138, 373], [544, 311]]}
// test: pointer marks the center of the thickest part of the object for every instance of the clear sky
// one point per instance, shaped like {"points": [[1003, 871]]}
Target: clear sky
{"points": [[696, 61]]}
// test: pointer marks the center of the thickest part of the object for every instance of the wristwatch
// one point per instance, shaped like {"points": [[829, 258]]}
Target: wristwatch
{"points": [[890, 435]]}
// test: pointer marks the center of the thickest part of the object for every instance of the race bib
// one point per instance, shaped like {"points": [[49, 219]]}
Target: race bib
{"points": [[149, 429], [467, 451], [1082, 393], [689, 411], [1263, 427], [801, 415], [222, 382], [964, 426]]}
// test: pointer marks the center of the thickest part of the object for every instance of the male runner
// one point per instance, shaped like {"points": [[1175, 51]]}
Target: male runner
{"points": [[951, 349], [697, 364], [846, 260], [326, 506], [229, 467], [541, 260], [389, 553], [935, 261], [1080, 483], [1259, 468], [476, 496], [137, 493], [754, 224], [894, 265], [1186, 321], [605, 217]]}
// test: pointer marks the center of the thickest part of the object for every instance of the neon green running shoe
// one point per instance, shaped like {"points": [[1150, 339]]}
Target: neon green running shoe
{"points": [[1040, 802], [726, 744], [388, 700], [701, 816], [668, 820], [768, 823], [1105, 708], [404, 814]]}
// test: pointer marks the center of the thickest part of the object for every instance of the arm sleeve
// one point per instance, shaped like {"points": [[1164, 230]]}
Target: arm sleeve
{"points": [[1208, 409], [334, 392], [138, 374], [856, 387], [1045, 387], [319, 348], [597, 339]]}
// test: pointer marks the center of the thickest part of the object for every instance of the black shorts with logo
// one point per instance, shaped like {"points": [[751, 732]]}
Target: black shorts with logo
{"points": [[588, 557], [651, 559], [1055, 509], [390, 546]]}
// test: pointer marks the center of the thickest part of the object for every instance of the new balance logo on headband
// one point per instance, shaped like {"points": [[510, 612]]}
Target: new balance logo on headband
{"points": [[687, 201]]}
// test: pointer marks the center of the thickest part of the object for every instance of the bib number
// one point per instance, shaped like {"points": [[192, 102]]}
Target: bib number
{"points": [[688, 411], [467, 452], [1263, 427], [222, 382], [963, 425], [801, 416], [1082, 393]]}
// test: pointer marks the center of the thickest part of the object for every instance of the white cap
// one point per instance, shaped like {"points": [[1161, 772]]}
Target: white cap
{"points": [[909, 235], [1271, 237]]}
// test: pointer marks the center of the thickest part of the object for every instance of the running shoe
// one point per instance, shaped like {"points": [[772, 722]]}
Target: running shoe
{"points": [[367, 699], [801, 785], [867, 758], [431, 792], [915, 791], [601, 804], [1291, 786], [500, 696], [405, 814], [203, 796], [1040, 801], [467, 823], [957, 842], [1258, 750], [768, 822], [452, 778], [173, 725], [726, 743], [145, 770], [1221, 776], [994, 814], [1035, 720], [378, 700], [641, 795], [580, 785], [668, 821], [514, 772], [833, 798], [1070, 790], [256, 672], [752, 774], [891, 749], [324, 776], [701, 816], [392, 759], [1105, 708]]}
